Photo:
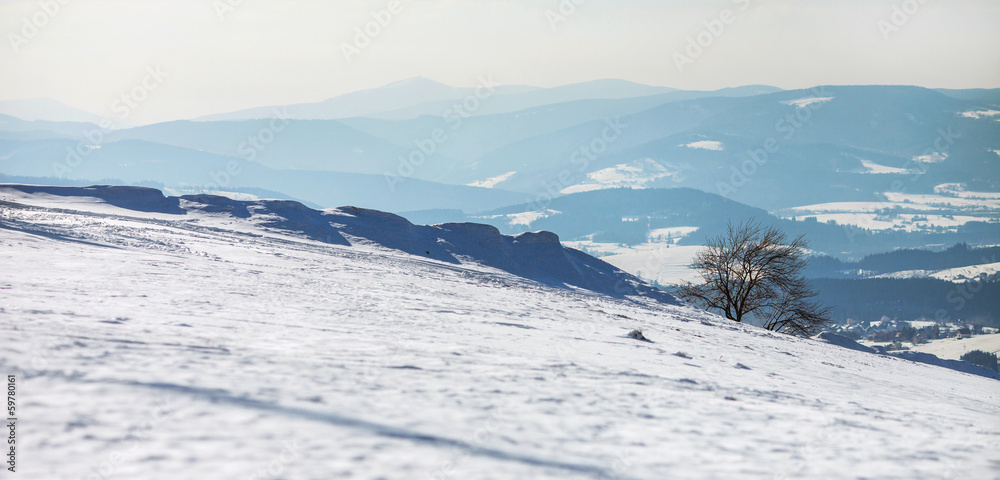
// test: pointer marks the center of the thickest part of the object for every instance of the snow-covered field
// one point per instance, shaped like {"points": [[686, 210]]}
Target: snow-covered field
{"points": [[926, 203], [965, 274], [671, 234], [870, 167], [493, 181], [203, 345], [951, 208], [968, 200], [525, 218], [958, 190], [658, 260], [805, 102], [903, 221], [953, 348], [713, 145], [983, 272], [977, 114], [637, 174]]}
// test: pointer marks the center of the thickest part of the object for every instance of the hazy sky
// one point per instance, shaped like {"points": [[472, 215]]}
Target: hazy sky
{"points": [[222, 55]]}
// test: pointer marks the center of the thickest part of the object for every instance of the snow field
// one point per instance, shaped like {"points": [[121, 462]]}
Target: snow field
{"points": [[150, 346]]}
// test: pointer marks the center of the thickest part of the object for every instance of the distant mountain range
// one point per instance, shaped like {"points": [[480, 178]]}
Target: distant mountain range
{"points": [[927, 137], [393, 148], [46, 109], [133, 162], [629, 217], [421, 96]]}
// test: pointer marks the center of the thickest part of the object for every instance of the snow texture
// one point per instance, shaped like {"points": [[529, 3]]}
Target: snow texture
{"points": [[160, 337]]}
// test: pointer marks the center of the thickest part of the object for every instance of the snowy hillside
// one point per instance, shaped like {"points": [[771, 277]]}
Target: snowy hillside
{"points": [[986, 271], [199, 337]]}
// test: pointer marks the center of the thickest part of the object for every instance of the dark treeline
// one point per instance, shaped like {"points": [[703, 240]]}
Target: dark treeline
{"points": [[976, 302], [960, 255]]}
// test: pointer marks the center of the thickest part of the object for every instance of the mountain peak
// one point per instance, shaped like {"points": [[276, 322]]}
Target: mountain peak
{"points": [[47, 109], [416, 82]]}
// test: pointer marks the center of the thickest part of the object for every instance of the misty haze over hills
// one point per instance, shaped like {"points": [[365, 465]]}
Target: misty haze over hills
{"points": [[754, 144], [859, 170]]}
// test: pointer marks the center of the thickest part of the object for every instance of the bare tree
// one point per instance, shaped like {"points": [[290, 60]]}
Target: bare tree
{"points": [[754, 272]]}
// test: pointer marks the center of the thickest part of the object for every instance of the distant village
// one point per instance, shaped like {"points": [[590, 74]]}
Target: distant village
{"points": [[896, 332]]}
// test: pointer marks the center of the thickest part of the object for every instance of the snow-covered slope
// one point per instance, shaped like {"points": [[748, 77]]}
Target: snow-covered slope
{"points": [[982, 272], [153, 342], [535, 255]]}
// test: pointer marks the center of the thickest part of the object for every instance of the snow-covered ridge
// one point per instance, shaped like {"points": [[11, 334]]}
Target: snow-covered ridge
{"points": [[936, 157], [524, 218], [984, 272], [713, 145], [805, 102], [870, 167], [534, 255], [492, 181], [977, 114]]}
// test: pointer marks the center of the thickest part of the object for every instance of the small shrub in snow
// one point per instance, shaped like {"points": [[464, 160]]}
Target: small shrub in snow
{"points": [[637, 334]]}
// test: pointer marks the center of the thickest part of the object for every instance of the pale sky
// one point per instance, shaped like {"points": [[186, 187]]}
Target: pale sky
{"points": [[270, 52]]}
